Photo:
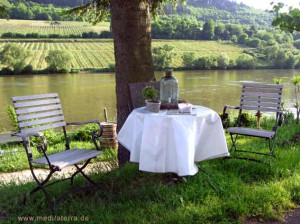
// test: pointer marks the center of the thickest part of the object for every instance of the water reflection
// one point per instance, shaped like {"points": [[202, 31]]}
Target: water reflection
{"points": [[84, 96]]}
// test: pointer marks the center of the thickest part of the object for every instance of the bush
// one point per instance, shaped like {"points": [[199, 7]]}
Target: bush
{"points": [[223, 61], [245, 61], [28, 69], [255, 42], [106, 34], [206, 62], [13, 56], [163, 56], [188, 59], [59, 61]]}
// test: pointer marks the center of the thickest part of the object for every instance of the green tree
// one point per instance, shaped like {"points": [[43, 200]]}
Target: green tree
{"points": [[13, 56], [188, 59], [242, 38], [245, 61], [223, 61], [208, 31], [131, 27], [163, 56], [286, 21], [59, 61], [207, 62]]}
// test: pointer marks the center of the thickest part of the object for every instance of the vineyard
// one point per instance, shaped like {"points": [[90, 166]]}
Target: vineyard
{"points": [[45, 27], [100, 55]]}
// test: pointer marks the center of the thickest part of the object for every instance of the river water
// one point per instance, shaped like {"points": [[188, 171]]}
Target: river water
{"points": [[84, 96]]}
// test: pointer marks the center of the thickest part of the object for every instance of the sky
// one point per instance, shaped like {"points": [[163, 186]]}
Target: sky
{"points": [[265, 4]]}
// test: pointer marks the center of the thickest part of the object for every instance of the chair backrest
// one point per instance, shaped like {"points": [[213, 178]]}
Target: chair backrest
{"points": [[136, 90], [38, 112], [261, 97]]}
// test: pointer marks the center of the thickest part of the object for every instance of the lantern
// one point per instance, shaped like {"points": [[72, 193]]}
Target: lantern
{"points": [[169, 91]]}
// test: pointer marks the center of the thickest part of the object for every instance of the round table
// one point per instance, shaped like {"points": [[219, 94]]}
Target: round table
{"points": [[170, 141]]}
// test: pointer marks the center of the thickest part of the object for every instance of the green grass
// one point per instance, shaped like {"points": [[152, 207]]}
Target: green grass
{"points": [[99, 54], [127, 195]]}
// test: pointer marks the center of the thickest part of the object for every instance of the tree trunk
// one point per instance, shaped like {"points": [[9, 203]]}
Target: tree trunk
{"points": [[131, 28]]}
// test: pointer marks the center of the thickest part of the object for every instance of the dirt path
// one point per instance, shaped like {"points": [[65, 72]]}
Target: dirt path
{"points": [[25, 176]]}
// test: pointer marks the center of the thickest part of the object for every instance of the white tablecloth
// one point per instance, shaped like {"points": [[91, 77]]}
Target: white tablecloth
{"points": [[167, 142]]}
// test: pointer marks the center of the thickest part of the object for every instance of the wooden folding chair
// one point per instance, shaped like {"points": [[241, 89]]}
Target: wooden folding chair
{"points": [[37, 113], [258, 98]]}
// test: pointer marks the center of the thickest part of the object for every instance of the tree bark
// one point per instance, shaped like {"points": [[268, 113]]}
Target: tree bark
{"points": [[131, 28]]}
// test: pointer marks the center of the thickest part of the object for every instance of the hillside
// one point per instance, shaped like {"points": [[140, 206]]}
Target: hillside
{"points": [[99, 54], [220, 11]]}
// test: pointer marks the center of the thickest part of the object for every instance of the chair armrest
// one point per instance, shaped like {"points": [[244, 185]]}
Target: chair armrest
{"points": [[230, 107], [42, 148], [84, 122]]}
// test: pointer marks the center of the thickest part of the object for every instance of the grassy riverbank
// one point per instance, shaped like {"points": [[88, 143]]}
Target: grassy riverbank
{"points": [[127, 195]]}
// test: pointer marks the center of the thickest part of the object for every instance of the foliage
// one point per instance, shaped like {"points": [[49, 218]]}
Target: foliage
{"points": [[245, 61], [59, 61], [286, 21], [206, 62], [10, 111], [208, 30], [163, 56], [149, 93], [188, 59], [223, 61], [13, 56]]}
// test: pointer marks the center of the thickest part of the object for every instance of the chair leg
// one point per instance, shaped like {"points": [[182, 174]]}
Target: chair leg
{"points": [[41, 186], [80, 170], [233, 140]]}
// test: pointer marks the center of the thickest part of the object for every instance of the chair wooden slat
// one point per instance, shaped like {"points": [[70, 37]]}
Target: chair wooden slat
{"points": [[38, 109], [41, 121], [260, 104], [43, 128], [251, 132], [39, 115], [266, 100], [265, 95], [260, 85], [68, 157], [266, 109], [36, 102], [34, 97]]}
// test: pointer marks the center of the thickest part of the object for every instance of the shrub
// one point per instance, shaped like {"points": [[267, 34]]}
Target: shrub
{"points": [[59, 61], [163, 56], [13, 56], [206, 62], [245, 61], [188, 59], [223, 61]]}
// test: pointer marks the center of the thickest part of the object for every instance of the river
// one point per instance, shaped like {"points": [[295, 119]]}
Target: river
{"points": [[84, 96]]}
